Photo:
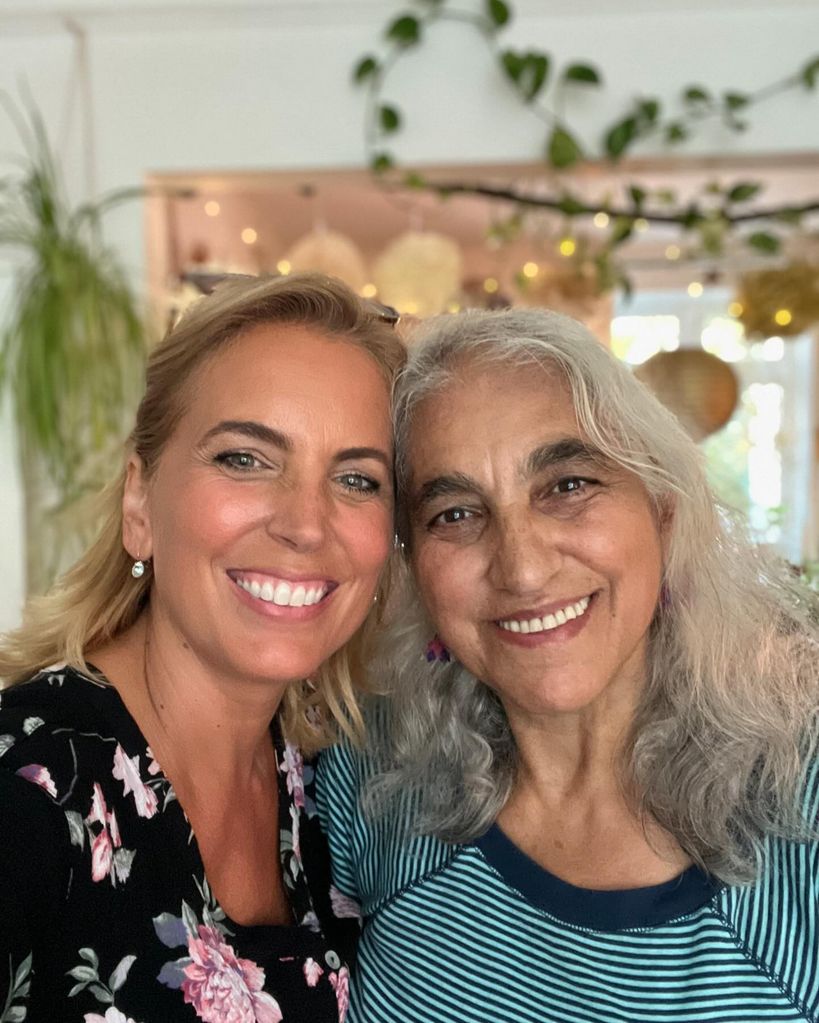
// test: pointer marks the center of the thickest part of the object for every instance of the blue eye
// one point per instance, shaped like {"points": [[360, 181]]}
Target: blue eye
{"points": [[242, 460], [358, 483]]}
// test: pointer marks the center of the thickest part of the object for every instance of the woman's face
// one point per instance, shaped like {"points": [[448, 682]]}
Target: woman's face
{"points": [[539, 563], [269, 516]]}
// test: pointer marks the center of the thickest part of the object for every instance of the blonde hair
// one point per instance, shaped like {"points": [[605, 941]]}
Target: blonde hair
{"points": [[728, 724], [97, 599]]}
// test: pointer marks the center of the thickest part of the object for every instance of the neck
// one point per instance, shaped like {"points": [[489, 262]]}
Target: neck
{"points": [[204, 727]]}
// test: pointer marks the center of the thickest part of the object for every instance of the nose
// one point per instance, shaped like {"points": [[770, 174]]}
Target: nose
{"points": [[527, 554], [299, 517]]}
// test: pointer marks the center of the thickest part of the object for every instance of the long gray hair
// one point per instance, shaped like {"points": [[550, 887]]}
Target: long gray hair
{"points": [[729, 716]]}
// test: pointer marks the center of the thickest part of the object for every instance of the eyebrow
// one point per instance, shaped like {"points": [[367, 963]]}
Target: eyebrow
{"points": [[250, 428], [566, 449], [542, 458], [444, 486], [267, 435]]}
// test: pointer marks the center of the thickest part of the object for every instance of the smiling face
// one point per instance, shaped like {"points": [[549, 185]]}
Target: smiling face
{"points": [[539, 563], [269, 514]]}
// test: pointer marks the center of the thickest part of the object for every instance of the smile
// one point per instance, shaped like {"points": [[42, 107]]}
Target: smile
{"points": [[547, 622], [271, 590]]}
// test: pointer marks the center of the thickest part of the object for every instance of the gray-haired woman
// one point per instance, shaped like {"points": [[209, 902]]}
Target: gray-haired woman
{"points": [[595, 798]]}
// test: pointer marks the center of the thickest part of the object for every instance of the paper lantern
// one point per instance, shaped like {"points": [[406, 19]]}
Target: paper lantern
{"points": [[783, 301], [419, 273], [330, 253], [700, 389]]}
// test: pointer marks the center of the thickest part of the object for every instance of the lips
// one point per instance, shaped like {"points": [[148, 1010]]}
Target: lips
{"points": [[271, 589], [527, 624]]}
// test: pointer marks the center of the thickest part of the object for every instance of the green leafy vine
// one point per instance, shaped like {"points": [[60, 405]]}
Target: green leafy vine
{"points": [[540, 81]]}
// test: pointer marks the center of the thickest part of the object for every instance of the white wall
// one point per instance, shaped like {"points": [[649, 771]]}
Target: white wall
{"points": [[235, 85]]}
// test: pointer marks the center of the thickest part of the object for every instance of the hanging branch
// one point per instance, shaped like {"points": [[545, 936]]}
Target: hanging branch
{"points": [[532, 74]]}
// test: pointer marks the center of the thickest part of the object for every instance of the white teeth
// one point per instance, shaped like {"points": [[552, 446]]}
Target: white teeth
{"points": [[548, 622], [283, 594]]}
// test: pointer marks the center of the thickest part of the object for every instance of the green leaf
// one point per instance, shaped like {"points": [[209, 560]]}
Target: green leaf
{"points": [[621, 230], [620, 137], [498, 12], [736, 100], [638, 195], [405, 30], [564, 149], [512, 64], [744, 190], [675, 132], [366, 68], [810, 73], [762, 241], [414, 180], [389, 118], [533, 75], [570, 205], [584, 73], [696, 94], [381, 162], [648, 110]]}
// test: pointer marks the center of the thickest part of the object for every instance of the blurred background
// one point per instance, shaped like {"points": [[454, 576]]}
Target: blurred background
{"points": [[651, 169]]}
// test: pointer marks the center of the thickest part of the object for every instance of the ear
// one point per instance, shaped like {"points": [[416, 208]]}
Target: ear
{"points": [[137, 538]]}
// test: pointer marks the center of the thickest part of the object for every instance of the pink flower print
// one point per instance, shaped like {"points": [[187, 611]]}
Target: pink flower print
{"points": [[312, 972], [126, 770], [341, 986], [153, 766], [112, 1015], [294, 820], [40, 776], [102, 848], [344, 908], [293, 764], [223, 988]]}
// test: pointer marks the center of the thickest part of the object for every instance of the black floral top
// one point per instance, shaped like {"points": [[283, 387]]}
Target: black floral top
{"points": [[106, 915]]}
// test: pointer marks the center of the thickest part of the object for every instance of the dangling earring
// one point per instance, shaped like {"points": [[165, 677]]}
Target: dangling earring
{"points": [[138, 569], [436, 651]]}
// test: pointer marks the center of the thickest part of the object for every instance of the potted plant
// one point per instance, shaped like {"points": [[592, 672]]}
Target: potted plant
{"points": [[71, 351]]}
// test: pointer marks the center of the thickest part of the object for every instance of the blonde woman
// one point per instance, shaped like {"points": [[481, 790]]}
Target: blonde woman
{"points": [[161, 859], [595, 796]]}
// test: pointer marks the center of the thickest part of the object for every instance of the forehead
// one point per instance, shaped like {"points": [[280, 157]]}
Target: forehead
{"points": [[488, 405], [276, 366]]}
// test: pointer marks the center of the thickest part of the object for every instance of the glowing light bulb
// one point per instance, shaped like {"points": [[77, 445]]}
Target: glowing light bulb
{"points": [[567, 247], [672, 252], [369, 291], [490, 285], [601, 219], [641, 224], [530, 270], [735, 309], [783, 317], [284, 267], [212, 208], [249, 236], [695, 289]]}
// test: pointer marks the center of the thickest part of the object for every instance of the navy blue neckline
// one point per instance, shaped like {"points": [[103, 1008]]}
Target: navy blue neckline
{"points": [[626, 909]]}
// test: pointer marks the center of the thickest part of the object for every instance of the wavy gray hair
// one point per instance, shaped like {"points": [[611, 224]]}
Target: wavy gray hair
{"points": [[729, 715]]}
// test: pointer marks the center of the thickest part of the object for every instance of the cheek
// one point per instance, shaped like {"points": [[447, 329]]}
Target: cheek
{"points": [[208, 515], [367, 537]]}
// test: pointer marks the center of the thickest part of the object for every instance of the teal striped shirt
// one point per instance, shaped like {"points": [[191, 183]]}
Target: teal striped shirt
{"points": [[479, 933]]}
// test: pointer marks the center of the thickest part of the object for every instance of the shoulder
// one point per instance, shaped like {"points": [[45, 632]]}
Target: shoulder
{"points": [[375, 852]]}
